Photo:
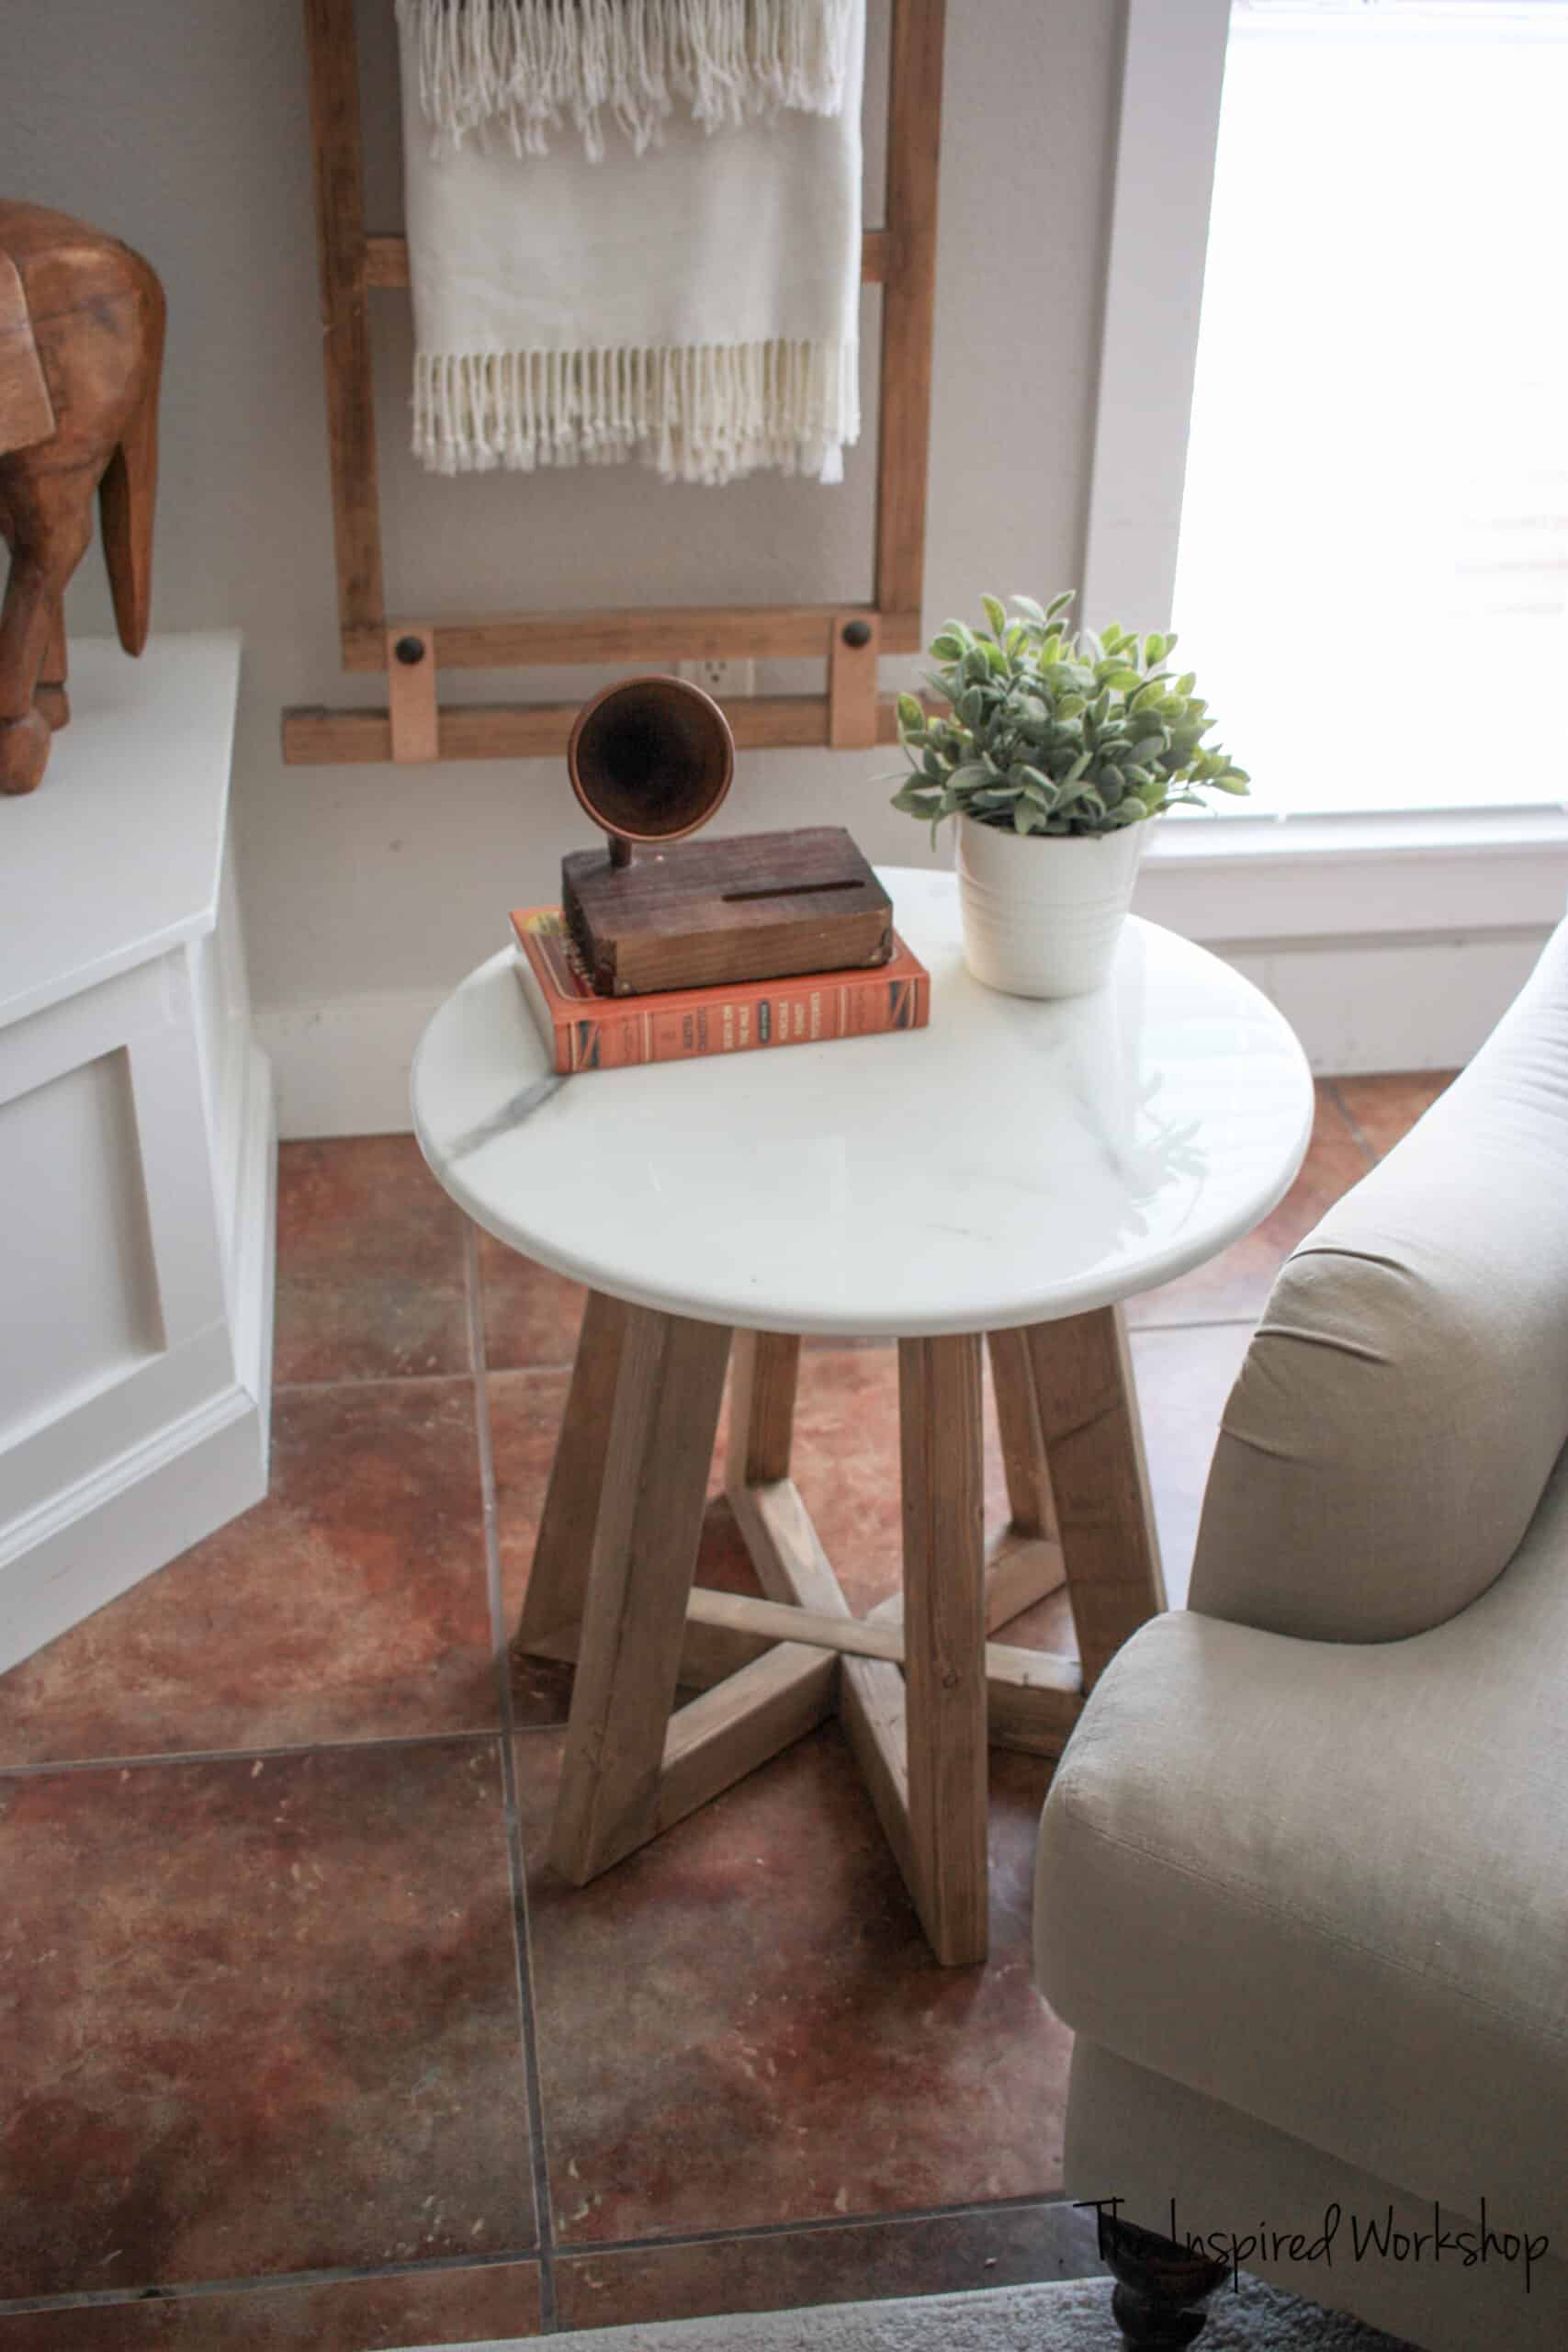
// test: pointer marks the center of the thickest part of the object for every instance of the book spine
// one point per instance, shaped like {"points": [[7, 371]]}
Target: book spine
{"points": [[619, 1034]]}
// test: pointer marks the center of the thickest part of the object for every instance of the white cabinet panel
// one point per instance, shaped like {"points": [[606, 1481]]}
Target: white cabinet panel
{"points": [[137, 1148], [76, 1273]]}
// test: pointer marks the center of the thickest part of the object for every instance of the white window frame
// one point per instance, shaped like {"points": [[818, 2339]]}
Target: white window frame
{"points": [[1447, 874]]}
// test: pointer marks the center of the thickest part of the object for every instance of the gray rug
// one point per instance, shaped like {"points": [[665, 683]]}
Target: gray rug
{"points": [[1073, 2317]]}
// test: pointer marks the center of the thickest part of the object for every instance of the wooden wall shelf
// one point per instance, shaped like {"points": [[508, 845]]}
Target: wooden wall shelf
{"points": [[414, 725]]}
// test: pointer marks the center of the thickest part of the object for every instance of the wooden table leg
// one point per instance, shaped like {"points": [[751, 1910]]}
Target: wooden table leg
{"points": [[626, 1497], [1027, 1564], [762, 1408], [1029, 1503], [658, 1453], [1088, 1419], [552, 1606], [944, 1635]]}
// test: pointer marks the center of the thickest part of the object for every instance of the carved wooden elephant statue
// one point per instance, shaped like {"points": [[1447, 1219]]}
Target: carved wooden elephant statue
{"points": [[80, 353]]}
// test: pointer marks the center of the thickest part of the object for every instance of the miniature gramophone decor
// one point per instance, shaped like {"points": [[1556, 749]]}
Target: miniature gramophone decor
{"points": [[650, 761]]}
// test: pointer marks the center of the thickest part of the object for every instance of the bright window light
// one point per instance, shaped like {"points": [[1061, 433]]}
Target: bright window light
{"points": [[1372, 581]]}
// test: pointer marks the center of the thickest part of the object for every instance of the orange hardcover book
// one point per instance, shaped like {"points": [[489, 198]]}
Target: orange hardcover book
{"points": [[589, 1032]]}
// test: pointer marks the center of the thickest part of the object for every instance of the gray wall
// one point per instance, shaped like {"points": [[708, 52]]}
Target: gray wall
{"points": [[181, 125]]}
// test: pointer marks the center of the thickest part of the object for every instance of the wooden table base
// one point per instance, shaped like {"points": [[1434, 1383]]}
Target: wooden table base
{"points": [[919, 1686]]}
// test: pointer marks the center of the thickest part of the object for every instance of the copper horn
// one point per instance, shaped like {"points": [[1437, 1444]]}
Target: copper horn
{"points": [[651, 759]]}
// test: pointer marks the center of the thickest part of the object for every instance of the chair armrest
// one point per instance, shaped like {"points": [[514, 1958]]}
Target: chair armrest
{"points": [[1327, 1883], [1405, 1396]]}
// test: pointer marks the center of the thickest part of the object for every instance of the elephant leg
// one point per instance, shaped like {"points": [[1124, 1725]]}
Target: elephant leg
{"points": [[127, 494], [50, 522], [51, 698]]}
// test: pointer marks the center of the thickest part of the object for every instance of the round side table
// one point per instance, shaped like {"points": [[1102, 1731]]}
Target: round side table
{"points": [[1004, 1177]]}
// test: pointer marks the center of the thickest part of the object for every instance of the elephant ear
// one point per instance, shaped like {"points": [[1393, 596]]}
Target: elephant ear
{"points": [[27, 412]]}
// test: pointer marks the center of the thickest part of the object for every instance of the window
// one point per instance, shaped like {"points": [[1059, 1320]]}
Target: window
{"points": [[1374, 530]]}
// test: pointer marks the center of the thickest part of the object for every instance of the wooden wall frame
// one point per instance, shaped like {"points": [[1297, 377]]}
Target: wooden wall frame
{"points": [[900, 256]]}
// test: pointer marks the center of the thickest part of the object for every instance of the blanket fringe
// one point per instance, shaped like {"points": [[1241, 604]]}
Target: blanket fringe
{"points": [[530, 64], [709, 412]]}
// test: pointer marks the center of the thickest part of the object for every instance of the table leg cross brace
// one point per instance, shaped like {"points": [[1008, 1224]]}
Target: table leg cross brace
{"points": [[919, 1688]]}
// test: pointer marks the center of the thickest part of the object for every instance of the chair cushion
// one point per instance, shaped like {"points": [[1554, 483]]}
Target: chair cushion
{"points": [[1406, 1394], [1327, 1883]]}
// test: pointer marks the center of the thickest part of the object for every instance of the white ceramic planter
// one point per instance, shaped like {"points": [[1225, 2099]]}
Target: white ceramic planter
{"points": [[1042, 912]]}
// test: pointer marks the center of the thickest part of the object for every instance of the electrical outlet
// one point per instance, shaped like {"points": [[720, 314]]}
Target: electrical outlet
{"points": [[721, 678]]}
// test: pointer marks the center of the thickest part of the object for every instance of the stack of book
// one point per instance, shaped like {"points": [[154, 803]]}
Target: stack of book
{"points": [[585, 1031]]}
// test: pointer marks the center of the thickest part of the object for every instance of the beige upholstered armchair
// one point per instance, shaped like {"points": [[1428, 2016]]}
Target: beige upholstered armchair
{"points": [[1302, 1885]]}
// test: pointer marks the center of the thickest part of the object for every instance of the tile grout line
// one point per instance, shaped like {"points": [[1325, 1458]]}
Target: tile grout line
{"points": [[373, 1380], [249, 1755], [597, 2249], [1331, 1088], [263, 2282], [414, 1379], [544, 2219]]}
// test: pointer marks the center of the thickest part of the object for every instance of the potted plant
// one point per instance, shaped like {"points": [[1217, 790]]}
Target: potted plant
{"points": [[1055, 753]]}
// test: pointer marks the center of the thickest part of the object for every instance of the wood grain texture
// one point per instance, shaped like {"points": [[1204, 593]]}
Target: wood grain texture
{"points": [[851, 682], [791, 1565], [558, 1579], [314, 736], [657, 633], [784, 1547], [715, 1740], [1019, 1570], [708, 1653], [345, 341], [751, 906], [1088, 1419], [908, 301], [50, 695], [410, 691], [669, 1388], [764, 1376], [27, 412], [1033, 1699], [873, 1709], [782, 1622], [877, 1635], [942, 1455], [1018, 1425]]}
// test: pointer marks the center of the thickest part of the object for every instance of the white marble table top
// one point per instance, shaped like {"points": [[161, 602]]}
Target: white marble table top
{"points": [[1014, 1163]]}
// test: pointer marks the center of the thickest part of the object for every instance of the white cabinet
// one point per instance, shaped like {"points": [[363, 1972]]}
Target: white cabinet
{"points": [[137, 1146]]}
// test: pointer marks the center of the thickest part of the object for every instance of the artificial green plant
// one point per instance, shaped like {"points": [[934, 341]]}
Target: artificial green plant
{"points": [[1049, 732]]}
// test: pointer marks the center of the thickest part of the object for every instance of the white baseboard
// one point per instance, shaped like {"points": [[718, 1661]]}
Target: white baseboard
{"points": [[1360, 1005], [1355, 1004], [253, 1270], [127, 1517], [342, 1066]]}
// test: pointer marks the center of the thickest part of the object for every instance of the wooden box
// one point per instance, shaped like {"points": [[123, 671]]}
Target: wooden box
{"points": [[762, 907]]}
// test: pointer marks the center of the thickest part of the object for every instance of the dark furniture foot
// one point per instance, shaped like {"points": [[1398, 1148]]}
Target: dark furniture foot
{"points": [[1161, 2289]]}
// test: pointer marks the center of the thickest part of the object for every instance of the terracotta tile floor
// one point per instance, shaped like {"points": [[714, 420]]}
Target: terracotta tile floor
{"points": [[303, 2045]]}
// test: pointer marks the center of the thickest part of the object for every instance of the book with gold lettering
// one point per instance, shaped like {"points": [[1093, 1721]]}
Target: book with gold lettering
{"points": [[585, 1031]]}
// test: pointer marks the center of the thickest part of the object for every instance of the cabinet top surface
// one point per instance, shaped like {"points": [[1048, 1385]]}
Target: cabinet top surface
{"points": [[1013, 1163], [117, 855]]}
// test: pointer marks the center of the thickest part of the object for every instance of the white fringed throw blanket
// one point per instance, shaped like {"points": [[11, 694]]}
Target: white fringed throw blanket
{"points": [[689, 291]]}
